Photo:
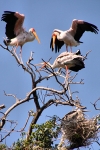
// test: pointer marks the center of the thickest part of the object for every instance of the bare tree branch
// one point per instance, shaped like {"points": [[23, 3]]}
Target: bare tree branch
{"points": [[49, 103], [2, 106], [8, 133], [56, 97], [95, 103], [25, 123]]}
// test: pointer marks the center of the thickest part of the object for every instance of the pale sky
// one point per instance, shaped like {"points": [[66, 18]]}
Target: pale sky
{"points": [[44, 16]]}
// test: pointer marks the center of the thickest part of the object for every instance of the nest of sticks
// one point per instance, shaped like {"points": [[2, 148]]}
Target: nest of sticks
{"points": [[78, 130]]}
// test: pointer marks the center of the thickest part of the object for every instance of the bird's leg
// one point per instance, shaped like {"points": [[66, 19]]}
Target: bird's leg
{"points": [[20, 54], [66, 48], [15, 48], [12, 49], [66, 78], [71, 48], [67, 75]]}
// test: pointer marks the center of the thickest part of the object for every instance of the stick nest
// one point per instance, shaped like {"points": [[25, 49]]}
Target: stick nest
{"points": [[78, 130]]}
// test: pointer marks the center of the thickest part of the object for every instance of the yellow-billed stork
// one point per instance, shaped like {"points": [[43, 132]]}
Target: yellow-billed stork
{"points": [[67, 60], [16, 34], [72, 36]]}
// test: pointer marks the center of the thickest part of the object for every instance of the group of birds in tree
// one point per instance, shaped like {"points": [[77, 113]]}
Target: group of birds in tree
{"points": [[17, 36]]}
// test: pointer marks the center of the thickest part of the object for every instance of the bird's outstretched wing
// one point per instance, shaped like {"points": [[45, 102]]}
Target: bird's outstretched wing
{"points": [[79, 27], [14, 22]]}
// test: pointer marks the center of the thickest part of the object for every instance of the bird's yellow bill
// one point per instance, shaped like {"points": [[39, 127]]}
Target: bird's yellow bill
{"points": [[36, 36], [54, 38]]}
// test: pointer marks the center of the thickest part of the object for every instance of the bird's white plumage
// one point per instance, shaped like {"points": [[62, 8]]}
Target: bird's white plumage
{"points": [[66, 37], [73, 61], [16, 34], [65, 58], [22, 38], [72, 36]]}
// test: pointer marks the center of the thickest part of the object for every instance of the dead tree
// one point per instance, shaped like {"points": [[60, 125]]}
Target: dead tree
{"points": [[64, 96]]}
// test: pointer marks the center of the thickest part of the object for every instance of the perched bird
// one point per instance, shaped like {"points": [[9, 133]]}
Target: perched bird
{"points": [[72, 36], [67, 60], [16, 34]]}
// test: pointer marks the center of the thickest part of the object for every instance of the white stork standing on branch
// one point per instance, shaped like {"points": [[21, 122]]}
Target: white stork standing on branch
{"points": [[16, 34], [72, 36]]}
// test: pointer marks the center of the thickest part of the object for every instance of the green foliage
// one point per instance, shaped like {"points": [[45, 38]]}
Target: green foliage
{"points": [[42, 136], [3, 147]]}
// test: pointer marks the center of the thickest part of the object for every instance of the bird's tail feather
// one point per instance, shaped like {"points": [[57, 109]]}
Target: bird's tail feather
{"points": [[80, 42], [78, 52]]}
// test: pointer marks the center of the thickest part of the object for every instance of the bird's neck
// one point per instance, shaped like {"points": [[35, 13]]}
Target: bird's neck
{"points": [[30, 36], [49, 65], [57, 30]]}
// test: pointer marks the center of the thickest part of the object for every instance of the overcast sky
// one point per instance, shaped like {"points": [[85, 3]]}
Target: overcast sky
{"points": [[44, 16]]}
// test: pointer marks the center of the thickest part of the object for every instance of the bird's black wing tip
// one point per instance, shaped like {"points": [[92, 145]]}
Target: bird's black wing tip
{"points": [[51, 44], [93, 27], [78, 52], [8, 12], [5, 42]]}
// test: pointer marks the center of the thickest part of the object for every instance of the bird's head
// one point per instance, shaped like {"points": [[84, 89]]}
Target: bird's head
{"points": [[43, 65], [32, 30]]}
